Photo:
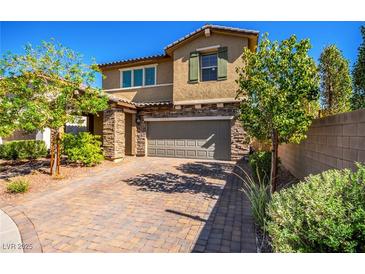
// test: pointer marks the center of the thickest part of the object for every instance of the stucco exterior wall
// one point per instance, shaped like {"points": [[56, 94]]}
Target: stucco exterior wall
{"points": [[164, 74], [98, 124], [148, 94], [111, 79], [183, 90], [20, 135], [333, 142]]}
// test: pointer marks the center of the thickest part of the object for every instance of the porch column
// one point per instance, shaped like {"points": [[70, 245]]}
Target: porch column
{"points": [[141, 138], [134, 135], [113, 133]]}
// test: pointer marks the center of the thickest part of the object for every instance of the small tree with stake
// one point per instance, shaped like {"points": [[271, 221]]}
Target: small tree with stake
{"points": [[279, 86], [47, 86]]}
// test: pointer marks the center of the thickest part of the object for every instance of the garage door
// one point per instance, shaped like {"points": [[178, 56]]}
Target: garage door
{"points": [[189, 139]]}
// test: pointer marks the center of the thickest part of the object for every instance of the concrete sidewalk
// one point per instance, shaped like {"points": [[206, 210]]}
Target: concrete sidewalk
{"points": [[10, 240]]}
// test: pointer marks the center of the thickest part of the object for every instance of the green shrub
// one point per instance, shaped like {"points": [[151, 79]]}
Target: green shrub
{"points": [[24, 149], [18, 186], [259, 195], [260, 163], [324, 213], [6, 151], [83, 148]]}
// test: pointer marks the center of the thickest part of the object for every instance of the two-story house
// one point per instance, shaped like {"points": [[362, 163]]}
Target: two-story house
{"points": [[179, 104]]}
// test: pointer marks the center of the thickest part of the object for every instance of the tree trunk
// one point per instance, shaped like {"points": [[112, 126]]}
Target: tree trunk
{"points": [[55, 152], [330, 94], [274, 160]]}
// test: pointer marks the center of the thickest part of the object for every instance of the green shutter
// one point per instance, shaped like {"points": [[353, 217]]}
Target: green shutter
{"points": [[222, 63], [194, 67]]}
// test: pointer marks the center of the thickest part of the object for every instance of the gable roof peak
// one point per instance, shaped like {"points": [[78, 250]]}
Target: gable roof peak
{"points": [[213, 27]]}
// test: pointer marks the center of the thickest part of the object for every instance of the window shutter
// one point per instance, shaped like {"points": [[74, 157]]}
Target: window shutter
{"points": [[222, 63], [194, 67]]}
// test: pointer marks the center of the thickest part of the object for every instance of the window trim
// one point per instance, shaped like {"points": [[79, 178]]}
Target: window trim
{"points": [[201, 66], [208, 49], [132, 76]]}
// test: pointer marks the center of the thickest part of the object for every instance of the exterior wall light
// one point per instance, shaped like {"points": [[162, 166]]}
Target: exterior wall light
{"points": [[138, 119]]}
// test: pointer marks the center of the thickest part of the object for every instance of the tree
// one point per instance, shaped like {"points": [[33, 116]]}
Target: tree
{"points": [[336, 86], [279, 86], [47, 86], [358, 76]]}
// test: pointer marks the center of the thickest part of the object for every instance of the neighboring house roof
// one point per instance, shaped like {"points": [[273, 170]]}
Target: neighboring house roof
{"points": [[251, 34]]}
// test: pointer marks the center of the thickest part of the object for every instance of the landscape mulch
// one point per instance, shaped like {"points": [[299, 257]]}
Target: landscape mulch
{"points": [[36, 172]]}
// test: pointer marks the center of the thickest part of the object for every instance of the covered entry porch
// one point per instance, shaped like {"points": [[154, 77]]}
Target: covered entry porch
{"points": [[117, 126]]}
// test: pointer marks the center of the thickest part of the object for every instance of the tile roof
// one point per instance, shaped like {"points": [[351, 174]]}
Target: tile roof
{"points": [[138, 104], [131, 60], [217, 27], [149, 104], [119, 99]]}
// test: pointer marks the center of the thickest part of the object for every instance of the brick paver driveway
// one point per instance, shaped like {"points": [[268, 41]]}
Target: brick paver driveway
{"points": [[146, 205]]}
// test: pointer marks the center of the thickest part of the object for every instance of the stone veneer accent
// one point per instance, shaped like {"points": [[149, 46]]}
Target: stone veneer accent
{"points": [[141, 138], [239, 139], [113, 133]]}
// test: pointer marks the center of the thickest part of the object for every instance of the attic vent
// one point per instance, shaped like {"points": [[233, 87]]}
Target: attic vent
{"points": [[207, 32]]}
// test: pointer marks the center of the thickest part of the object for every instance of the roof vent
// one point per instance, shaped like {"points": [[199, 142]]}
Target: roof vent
{"points": [[207, 32]]}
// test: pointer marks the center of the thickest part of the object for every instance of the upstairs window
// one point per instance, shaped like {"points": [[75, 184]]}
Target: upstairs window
{"points": [[127, 79], [209, 67], [139, 77], [149, 76]]}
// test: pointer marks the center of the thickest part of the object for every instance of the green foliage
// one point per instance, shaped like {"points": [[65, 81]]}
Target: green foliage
{"points": [[7, 152], [324, 213], [260, 163], [18, 186], [258, 193], [279, 87], [336, 86], [47, 86], [358, 75], [83, 148], [24, 149]]}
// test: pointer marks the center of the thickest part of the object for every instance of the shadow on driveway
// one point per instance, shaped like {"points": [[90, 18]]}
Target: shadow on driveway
{"points": [[174, 183], [214, 170], [229, 227]]}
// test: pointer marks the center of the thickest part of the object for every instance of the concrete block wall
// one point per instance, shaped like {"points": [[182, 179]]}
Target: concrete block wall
{"points": [[336, 141]]}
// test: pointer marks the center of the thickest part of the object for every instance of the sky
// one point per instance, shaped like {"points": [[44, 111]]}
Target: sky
{"points": [[113, 41]]}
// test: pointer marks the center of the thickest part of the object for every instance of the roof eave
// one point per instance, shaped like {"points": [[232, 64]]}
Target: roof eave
{"points": [[250, 34], [135, 61]]}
